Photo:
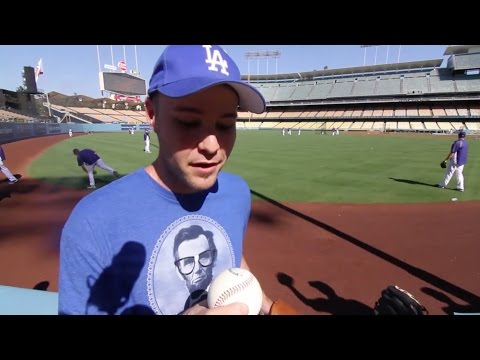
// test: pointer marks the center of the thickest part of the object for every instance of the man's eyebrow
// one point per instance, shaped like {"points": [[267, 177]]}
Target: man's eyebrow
{"points": [[191, 109], [184, 108]]}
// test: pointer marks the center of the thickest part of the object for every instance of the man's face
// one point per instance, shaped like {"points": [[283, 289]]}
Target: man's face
{"points": [[196, 135], [195, 263]]}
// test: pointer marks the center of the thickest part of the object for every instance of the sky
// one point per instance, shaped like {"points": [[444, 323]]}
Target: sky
{"points": [[73, 69]]}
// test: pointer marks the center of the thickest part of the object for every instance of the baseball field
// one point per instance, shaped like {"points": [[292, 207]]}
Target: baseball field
{"points": [[335, 219]]}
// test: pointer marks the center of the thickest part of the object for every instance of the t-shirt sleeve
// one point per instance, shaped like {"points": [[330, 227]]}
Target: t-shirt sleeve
{"points": [[80, 268], [79, 161]]}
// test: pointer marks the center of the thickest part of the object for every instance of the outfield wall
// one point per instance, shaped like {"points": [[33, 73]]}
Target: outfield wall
{"points": [[12, 131]]}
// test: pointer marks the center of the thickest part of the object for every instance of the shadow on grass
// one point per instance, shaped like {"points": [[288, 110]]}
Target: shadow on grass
{"points": [[80, 182], [413, 182]]}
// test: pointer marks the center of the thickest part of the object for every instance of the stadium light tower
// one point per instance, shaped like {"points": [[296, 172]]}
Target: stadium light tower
{"points": [[365, 52], [266, 54]]}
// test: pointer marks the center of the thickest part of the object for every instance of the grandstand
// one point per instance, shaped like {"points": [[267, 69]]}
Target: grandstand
{"points": [[85, 110], [419, 96], [17, 106], [124, 105]]}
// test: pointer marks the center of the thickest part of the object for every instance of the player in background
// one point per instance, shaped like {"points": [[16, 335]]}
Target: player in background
{"points": [[88, 160], [146, 140], [5, 170], [457, 158]]}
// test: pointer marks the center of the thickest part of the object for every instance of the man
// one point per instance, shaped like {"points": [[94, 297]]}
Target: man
{"points": [[70, 133], [457, 158], [5, 170], [146, 140], [194, 94], [88, 159]]}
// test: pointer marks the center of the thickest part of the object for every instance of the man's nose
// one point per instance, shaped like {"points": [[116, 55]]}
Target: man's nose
{"points": [[209, 144]]}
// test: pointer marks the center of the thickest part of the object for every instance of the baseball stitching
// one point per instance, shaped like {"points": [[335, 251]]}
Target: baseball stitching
{"points": [[232, 291]]}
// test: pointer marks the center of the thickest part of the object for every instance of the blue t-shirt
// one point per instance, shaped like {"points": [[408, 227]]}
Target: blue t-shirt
{"points": [[87, 156], [460, 147], [133, 247]]}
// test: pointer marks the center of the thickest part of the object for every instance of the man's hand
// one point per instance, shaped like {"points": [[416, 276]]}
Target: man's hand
{"points": [[266, 305], [230, 309], [281, 307]]}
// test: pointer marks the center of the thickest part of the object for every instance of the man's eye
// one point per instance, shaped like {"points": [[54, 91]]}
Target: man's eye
{"points": [[188, 124], [225, 126]]}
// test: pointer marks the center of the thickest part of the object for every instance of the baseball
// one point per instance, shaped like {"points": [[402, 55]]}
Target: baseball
{"points": [[236, 285]]}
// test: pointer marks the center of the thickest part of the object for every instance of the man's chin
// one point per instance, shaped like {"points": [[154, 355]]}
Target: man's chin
{"points": [[201, 184]]}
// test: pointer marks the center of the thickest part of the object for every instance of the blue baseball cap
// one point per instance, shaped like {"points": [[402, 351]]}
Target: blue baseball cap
{"points": [[462, 134], [183, 70]]}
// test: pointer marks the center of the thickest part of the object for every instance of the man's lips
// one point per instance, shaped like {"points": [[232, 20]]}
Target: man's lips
{"points": [[205, 165], [205, 168]]}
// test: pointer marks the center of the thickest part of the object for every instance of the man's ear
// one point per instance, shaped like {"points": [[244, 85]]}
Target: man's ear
{"points": [[149, 111]]}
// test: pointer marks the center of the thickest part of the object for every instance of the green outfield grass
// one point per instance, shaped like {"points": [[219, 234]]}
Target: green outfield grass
{"points": [[309, 167]]}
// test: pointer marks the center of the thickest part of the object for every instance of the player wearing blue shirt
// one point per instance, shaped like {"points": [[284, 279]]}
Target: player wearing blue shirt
{"points": [[457, 158], [88, 160]]}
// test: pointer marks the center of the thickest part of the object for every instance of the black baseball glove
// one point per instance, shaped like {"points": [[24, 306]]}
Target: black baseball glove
{"points": [[443, 164], [397, 301]]}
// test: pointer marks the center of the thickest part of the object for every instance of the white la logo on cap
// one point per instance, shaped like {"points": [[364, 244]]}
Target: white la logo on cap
{"points": [[215, 59]]}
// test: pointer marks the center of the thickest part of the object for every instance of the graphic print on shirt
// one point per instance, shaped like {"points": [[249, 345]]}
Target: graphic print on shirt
{"points": [[187, 256]]}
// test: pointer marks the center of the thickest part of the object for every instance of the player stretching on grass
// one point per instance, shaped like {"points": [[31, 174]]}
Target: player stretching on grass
{"points": [[88, 159]]}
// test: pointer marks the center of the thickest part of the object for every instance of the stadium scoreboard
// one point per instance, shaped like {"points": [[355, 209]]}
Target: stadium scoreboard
{"points": [[122, 83]]}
